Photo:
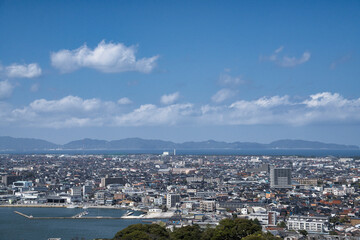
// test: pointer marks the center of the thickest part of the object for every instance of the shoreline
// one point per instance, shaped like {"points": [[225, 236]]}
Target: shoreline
{"points": [[62, 206]]}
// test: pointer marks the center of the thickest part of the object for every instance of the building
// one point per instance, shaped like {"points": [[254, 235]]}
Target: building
{"points": [[75, 191], [172, 200], [207, 206], [116, 180], [307, 181], [22, 185], [310, 224], [262, 168], [86, 189], [272, 219], [280, 178], [10, 179]]}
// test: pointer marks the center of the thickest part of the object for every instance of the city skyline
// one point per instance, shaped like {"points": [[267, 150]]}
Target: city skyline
{"points": [[234, 71]]}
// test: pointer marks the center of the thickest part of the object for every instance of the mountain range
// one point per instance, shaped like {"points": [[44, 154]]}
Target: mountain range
{"points": [[30, 144]]}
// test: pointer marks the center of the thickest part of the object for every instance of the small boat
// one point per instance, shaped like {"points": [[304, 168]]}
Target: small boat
{"points": [[72, 206], [129, 213]]}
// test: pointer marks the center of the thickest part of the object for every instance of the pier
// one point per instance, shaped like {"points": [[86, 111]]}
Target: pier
{"points": [[77, 216], [81, 215]]}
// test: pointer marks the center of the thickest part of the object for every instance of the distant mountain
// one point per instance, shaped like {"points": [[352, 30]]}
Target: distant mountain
{"points": [[301, 144], [25, 144], [87, 143], [29, 144]]}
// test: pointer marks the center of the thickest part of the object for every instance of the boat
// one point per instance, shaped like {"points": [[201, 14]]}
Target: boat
{"points": [[72, 206], [128, 213]]}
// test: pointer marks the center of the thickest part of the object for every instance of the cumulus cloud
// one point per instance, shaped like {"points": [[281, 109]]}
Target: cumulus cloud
{"points": [[169, 98], [222, 95], [69, 103], [62, 112], [150, 114], [106, 57], [73, 111], [31, 70], [124, 101], [327, 99], [286, 61], [6, 89]]}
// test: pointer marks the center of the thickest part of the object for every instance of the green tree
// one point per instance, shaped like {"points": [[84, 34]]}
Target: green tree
{"points": [[208, 233], [187, 233], [136, 235], [303, 232], [257, 222], [332, 232], [281, 224], [235, 229], [261, 236], [334, 220], [143, 232]]}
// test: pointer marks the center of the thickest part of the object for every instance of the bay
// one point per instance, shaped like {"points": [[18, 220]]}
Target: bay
{"points": [[16, 227], [258, 152]]}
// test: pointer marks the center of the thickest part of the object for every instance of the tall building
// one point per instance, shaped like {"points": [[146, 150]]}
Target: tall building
{"points": [[116, 180], [280, 178], [172, 200], [10, 179], [86, 189], [75, 191]]}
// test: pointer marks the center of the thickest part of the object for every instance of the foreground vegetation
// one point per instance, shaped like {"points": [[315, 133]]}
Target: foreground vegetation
{"points": [[228, 229]]}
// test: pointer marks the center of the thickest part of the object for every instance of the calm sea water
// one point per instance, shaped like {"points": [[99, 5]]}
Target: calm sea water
{"points": [[16, 227], [268, 152]]}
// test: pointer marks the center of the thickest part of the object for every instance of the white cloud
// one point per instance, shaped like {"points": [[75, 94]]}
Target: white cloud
{"points": [[31, 70], [227, 80], [222, 95], [35, 87], [279, 50], [124, 101], [293, 61], [330, 101], [69, 103], [106, 57], [73, 111], [150, 114], [6, 89], [285, 61], [339, 61], [170, 98]]}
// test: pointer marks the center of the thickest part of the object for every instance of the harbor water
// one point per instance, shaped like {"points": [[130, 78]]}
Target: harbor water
{"points": [[16, 227]]}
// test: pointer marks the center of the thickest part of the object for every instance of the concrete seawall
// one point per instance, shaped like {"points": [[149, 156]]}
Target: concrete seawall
{"points": [[165, 215]]}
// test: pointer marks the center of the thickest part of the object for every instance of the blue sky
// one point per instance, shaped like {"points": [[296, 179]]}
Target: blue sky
{"points": [[180, 70]]}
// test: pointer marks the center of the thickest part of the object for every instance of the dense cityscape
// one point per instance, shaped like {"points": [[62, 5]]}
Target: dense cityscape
{"points": [[292, 197]]}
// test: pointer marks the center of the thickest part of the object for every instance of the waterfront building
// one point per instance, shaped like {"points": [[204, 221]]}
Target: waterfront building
{"points": [[86, 189], [22, 186], [10, 179], [75, 191]]}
